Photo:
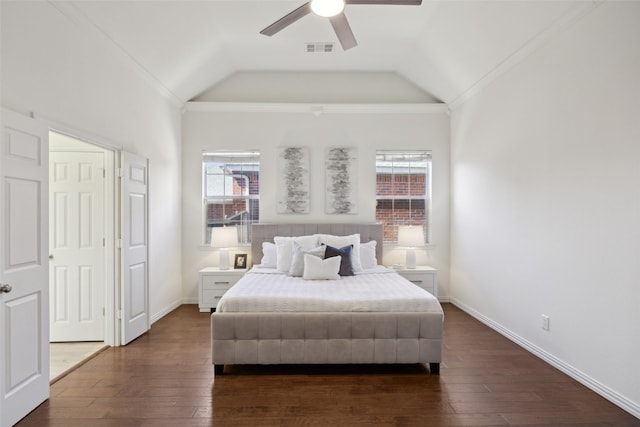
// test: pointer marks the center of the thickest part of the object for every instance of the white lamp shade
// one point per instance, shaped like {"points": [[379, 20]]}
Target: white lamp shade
{"points": [[224, 237], [410, 236], [327, 8]]}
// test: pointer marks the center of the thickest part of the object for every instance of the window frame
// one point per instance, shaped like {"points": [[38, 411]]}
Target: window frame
{"points": [[425, 199], [230, 157]]}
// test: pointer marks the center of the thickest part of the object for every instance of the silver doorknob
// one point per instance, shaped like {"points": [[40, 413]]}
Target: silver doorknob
{"points": [[5, 288]]}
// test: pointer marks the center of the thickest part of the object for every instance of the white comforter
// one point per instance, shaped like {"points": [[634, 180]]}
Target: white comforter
{"points": [[381, 289]]}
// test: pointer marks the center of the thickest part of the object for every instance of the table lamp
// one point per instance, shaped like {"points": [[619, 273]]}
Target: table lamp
{"points": [[224, 238], [410, 236]]}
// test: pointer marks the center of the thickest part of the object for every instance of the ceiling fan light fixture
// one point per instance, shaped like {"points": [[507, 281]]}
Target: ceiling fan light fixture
{"points": [[327, 8]]}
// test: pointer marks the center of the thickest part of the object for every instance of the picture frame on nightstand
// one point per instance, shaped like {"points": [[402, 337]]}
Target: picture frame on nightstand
{"points": [[240, 262]]}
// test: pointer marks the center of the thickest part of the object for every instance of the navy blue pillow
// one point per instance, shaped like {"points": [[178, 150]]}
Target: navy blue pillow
{"points": [[346, 266]]}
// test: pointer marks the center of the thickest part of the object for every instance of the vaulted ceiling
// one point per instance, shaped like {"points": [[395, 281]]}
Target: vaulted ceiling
{"points": [[447, 48]]}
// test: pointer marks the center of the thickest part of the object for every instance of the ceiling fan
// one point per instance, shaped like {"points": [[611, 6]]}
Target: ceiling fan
{"points": [[334, 10]]}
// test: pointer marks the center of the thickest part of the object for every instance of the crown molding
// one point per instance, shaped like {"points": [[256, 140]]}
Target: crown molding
{"points": [[564, 22], [316, 109], [78, 17]]}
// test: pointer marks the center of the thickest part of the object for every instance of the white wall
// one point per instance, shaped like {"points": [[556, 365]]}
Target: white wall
{"points": [[545, 202], [317, 87], [54, 67], [266, 131]]}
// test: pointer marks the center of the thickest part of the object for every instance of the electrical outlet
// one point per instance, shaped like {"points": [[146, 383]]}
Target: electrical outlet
{"points": [[545, 322]]}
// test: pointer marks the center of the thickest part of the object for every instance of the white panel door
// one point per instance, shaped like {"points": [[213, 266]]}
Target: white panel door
{"points": [[135, 247], [24, 300], [76, 241]]}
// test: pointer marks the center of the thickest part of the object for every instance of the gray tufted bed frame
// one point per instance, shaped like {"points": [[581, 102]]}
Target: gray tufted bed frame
{"points": [[324, 337]]}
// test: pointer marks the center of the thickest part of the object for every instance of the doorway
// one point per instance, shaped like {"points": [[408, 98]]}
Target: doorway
{"points": [[24, 233], [81, 256]]}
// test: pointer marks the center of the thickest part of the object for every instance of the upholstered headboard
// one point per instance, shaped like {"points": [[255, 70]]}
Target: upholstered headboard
{"points": [[266, 232]]}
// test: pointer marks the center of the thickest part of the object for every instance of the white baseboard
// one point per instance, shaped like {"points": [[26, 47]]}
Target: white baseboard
{"points": [[168, 309], [616, 398], [190, 300]]}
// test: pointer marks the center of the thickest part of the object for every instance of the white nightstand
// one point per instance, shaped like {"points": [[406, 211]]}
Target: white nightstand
{"points": [[213, 284], [423, 276]]}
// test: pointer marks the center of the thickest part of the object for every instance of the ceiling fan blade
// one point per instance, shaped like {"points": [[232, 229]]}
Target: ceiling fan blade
{"points": [[287, 20], [386, 2], [343, 31]]}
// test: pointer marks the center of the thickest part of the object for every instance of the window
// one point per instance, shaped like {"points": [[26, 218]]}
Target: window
{"points": [[403, 191], [231, 190]]}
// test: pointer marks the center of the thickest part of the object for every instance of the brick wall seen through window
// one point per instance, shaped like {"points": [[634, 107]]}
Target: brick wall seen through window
{"points": [[403, 191], [231, 190]]}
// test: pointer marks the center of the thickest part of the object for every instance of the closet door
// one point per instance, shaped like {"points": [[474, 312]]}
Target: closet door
{"points": [[24, 267], [76, 246], [135, 247]]}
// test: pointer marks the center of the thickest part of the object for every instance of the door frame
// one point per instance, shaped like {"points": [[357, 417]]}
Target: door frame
{"points": [[112, 336]]}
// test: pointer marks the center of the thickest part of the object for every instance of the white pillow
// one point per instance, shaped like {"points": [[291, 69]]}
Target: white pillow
{"points": [[297, 260], [321, 269], [342, 241], [269, 258], [284, 249], [368, 255]]}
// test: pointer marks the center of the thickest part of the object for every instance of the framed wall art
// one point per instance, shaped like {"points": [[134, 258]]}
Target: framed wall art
{"points": [[293, 185], [341, 196]]}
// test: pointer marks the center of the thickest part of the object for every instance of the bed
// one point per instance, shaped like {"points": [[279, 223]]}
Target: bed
{"points": [[371, 317]]}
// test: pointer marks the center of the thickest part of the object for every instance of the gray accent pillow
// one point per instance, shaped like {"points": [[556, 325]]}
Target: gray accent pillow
{"points": [[297, 260], [346, 265]]}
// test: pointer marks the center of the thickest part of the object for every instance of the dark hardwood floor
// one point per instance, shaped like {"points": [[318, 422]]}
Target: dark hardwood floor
{"points": [[165, 378]]}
